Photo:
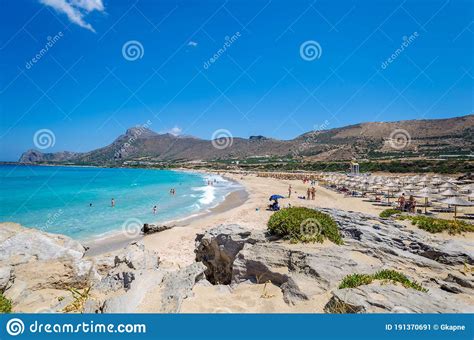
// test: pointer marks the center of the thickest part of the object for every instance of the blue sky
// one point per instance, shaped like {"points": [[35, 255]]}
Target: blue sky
{"points": [[86, 92]]}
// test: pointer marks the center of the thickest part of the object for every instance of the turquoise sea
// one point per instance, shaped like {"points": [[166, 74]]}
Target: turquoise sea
{"points": [[76, 201]]}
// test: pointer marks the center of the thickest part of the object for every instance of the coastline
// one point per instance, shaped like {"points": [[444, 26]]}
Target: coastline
{"points": [[119, 239], [161, 262]]}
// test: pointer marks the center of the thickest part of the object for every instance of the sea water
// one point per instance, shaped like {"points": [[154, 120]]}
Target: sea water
{"points": [[76, 201]]}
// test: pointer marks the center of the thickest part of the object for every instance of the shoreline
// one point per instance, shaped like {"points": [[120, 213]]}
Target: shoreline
{"points": [[119, 239], [172, 254]]}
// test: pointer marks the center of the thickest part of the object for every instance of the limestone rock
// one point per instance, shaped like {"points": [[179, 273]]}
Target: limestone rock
{"points": [[217, 249], [5, 275], [120, 268], [178, 285], [392, 299]]}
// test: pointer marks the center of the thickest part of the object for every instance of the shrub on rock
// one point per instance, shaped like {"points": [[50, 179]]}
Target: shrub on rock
{"points": [[5, 304], [389, 212], [356, 280], [304, 225]]}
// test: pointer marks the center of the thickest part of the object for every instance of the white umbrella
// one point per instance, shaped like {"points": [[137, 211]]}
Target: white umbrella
{"points": [[389, 186], [468, 187], [425, 194], [449, 193], [457, 201], [447, 185], [426, 190], [422, 183]]}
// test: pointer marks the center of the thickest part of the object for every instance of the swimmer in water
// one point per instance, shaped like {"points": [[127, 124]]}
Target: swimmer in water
{"points": [[112, 202]]}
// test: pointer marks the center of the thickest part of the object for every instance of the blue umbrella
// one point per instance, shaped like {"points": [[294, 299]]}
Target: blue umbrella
{"points": [[275, 197]]}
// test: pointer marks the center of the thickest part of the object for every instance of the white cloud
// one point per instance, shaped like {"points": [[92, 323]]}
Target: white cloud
{"points": [[76, 10], [192, 43], [175, 131]]}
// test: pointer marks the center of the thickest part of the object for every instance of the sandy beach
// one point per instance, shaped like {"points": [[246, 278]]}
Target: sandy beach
{"points": [[174, 253], [176, 246]]}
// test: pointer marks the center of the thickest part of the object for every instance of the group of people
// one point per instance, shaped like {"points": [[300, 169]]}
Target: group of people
{"points": [[407, 204], [311, 193]]}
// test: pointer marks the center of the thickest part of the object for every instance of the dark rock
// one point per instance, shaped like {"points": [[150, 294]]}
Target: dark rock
{"points": [[153, 228]]}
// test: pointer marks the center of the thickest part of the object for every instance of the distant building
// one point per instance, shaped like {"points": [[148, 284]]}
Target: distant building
{"points": [[354, 168]]}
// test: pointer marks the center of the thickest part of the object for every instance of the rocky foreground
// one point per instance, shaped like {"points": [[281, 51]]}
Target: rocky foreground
{"points": [[42, 272]]}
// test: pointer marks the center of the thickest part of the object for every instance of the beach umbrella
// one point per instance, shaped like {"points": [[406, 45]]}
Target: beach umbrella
{"points": [[457, 202], [406, 192], [423, 183], [436, 181], [468, 187], [427, 190], [447, 185], [390, 187], [449, 193], [275, 197], [426, 194], [410, 187]]}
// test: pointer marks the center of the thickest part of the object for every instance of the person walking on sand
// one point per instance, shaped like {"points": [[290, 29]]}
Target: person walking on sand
{"points": [[289, 191], [112, 202], [154, 210], [313, 193], [308, 194]]}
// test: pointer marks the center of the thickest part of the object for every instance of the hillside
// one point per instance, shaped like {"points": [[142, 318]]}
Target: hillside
{"points": [[410, 138]]}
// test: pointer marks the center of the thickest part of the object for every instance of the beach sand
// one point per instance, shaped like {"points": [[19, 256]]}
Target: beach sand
{"points": [[176, 246]]}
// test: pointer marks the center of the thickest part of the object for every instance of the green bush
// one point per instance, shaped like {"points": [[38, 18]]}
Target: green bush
{"points": [[304, 225], [389, 212], [438, 225], [5, 304], [356, 280]]}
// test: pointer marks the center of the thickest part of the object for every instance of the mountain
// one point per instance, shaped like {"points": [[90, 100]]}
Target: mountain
{"points": [[417, 138]]}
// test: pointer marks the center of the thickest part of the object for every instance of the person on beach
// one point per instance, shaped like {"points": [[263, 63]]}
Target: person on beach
{"points": [[112, 202], [289, 191], [412, 204], [401, 202], [313, 193], [308, 194], [154, 210]]}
